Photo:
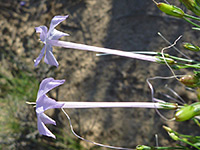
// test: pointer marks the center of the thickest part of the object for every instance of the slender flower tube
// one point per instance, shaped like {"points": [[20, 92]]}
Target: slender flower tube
{"points": [[102, 50], [159, 105], [44, 103]]}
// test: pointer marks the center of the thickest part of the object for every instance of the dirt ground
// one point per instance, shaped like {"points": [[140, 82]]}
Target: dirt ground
{"points": [[129, 25]]}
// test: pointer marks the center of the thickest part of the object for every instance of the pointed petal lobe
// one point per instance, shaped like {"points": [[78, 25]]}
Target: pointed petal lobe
{"points": [[48, 84], [46, 119], [43, 32], [49, 57], [56, 20], [38, 59], [55, 35], [43, 130]]}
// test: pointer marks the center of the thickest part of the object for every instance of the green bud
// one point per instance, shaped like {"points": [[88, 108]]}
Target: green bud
{"points": [[190, 80], [143, 147], [188, 112], [171, 10], [167, 129], [185, 113], [173, 136], [192, 5], [191, 47], [171, 133]]}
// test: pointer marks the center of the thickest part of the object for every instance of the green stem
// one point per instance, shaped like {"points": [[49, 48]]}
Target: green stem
{"points": [[189, 143], [158, 148], [194, 24], [196, 66], [166, 55], [192, 17], [178, 58], [196, 121], [185, 136], [140, 147], [195, 28], [185, 66]]}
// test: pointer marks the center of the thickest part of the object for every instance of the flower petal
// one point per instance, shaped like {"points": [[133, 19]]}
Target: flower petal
{"points": [[45, 103], [55, 35], [49, 57], [48, 84], [38, 59], [46, 119], [56, 20], [43, 32], [43, 130]]}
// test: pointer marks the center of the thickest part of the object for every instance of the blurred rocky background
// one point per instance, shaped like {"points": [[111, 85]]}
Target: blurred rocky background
{"points": [[119, 24]]}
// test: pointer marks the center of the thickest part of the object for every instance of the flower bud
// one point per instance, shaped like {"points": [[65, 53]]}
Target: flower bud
{"points": [[192, 5], [170, 10], [173, 136], [190, 80], [191, 47], [143, 147], [167, 129], [185, 113], [171, 133], [188, 112]]}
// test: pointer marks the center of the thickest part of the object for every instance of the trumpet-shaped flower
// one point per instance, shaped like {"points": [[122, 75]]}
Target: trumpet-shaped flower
{"points": [[50, 38], [43, 103], [45, 36]]}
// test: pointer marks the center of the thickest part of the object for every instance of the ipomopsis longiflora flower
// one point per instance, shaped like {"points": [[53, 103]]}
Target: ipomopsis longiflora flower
{"points": [[51, 37], [44, 103]]}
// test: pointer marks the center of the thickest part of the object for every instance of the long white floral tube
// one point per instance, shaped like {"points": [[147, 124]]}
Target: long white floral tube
{"points": [[118, 105], [101, 50]]}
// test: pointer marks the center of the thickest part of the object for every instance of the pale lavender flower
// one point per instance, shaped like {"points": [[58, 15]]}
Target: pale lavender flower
{"points": [[43, 103], [45, 36], [50, 38]]}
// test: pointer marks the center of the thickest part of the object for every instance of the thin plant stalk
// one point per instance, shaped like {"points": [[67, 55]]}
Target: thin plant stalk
{"points": [[194, 24], [192, 17]]}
